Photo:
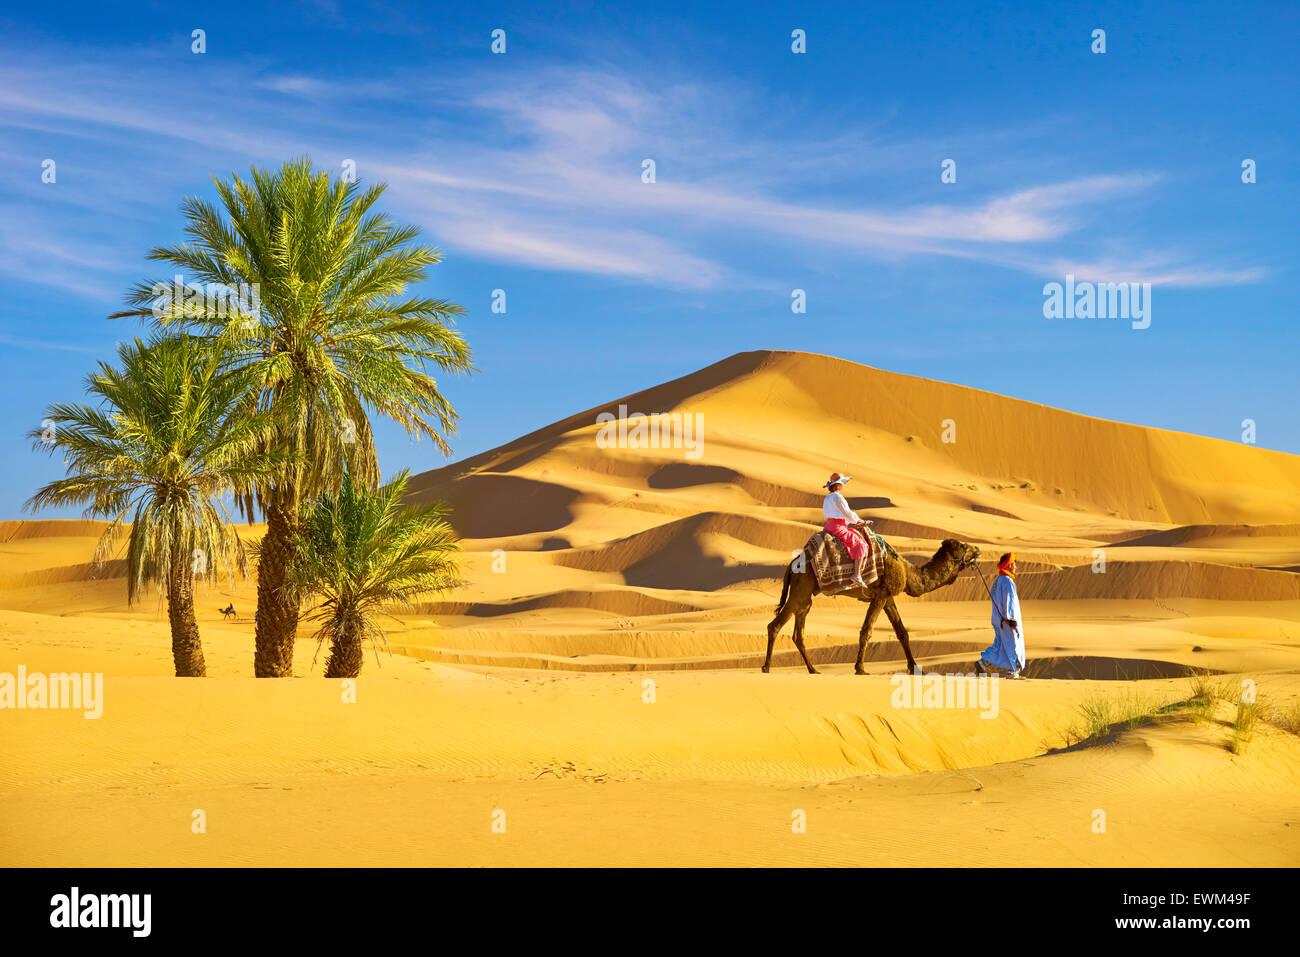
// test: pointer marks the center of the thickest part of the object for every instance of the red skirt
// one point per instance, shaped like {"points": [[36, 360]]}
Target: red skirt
{"points": [[851, 537]]}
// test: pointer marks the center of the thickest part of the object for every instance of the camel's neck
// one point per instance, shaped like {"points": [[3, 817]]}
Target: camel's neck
{"points": [[937, 572]]}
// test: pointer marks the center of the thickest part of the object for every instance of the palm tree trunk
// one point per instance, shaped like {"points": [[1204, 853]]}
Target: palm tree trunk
{"points": [[277, 610], [346, 654], [187, 650]]}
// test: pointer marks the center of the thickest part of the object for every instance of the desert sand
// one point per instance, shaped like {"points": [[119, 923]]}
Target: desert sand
{"points": [[593, 690]]}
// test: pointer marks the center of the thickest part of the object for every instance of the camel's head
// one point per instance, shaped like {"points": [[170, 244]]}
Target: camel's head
{"points": [[961, 553]]}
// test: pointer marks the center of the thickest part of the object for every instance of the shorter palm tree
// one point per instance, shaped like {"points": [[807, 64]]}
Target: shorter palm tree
{"points": [[170, 435], [361, 551]]}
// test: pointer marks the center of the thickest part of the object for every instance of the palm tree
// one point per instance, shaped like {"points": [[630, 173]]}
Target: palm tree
{"points": [[327, 339], [360, 551], [162, 445]]}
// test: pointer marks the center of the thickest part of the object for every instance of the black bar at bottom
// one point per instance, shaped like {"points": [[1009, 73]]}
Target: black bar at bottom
{"points": [[306, 906]]}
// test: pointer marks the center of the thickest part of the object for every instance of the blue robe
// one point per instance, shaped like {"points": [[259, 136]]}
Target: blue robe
{"points": [[1008, 648]]}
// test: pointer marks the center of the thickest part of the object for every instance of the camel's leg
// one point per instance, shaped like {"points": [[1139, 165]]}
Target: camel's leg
{"points": [[873, 612], [799, 617], [774, 628], [797, 594], [900, 630]]}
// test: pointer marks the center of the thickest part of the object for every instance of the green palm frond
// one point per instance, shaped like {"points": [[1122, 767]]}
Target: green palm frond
{"points": [[336, 338], [362, 551], [166, 439]]}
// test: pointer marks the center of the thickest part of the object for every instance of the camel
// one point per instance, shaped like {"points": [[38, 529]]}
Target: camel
{"points": [[899, 576], [228, 612]]}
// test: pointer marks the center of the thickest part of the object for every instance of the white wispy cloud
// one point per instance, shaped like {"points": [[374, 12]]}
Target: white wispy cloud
{"points": [[543, 170]]}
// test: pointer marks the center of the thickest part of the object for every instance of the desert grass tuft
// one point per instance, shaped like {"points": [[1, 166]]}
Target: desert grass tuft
{"points": [[1094, 721], [1243, 726], [1102, 714], [1213, 688], [1201, 709]]}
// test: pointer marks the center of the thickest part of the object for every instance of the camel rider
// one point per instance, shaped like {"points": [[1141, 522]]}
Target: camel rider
{"points": [[1008, 649], [844, 524]]}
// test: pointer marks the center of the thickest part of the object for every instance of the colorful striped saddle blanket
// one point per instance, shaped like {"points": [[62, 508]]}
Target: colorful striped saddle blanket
{"points": [[833, 567]]}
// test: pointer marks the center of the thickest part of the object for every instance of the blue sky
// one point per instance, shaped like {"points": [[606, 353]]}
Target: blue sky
{"points": [[774, 171]]}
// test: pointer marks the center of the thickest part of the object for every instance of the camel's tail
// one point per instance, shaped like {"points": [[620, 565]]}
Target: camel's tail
{"points": [[785, 589]]}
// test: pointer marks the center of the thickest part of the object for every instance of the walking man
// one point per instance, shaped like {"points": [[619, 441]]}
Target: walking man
{"points": [[1008, 649]]}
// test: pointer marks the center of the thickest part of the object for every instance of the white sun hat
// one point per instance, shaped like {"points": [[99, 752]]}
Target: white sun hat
{"points": [[837, 479]]}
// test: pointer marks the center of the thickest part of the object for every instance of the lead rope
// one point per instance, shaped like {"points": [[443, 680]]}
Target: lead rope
{"points": [[987, 590]]}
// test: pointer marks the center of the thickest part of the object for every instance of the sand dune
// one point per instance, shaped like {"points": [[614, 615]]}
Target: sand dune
{"points": [[1211, 534], [711, 772], [806, 407], [1152, 579], [590, 570], [773, 424], [17, 531]]}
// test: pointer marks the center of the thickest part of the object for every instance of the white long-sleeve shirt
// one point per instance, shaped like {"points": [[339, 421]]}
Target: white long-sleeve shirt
{"points": [[836, 505]]}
